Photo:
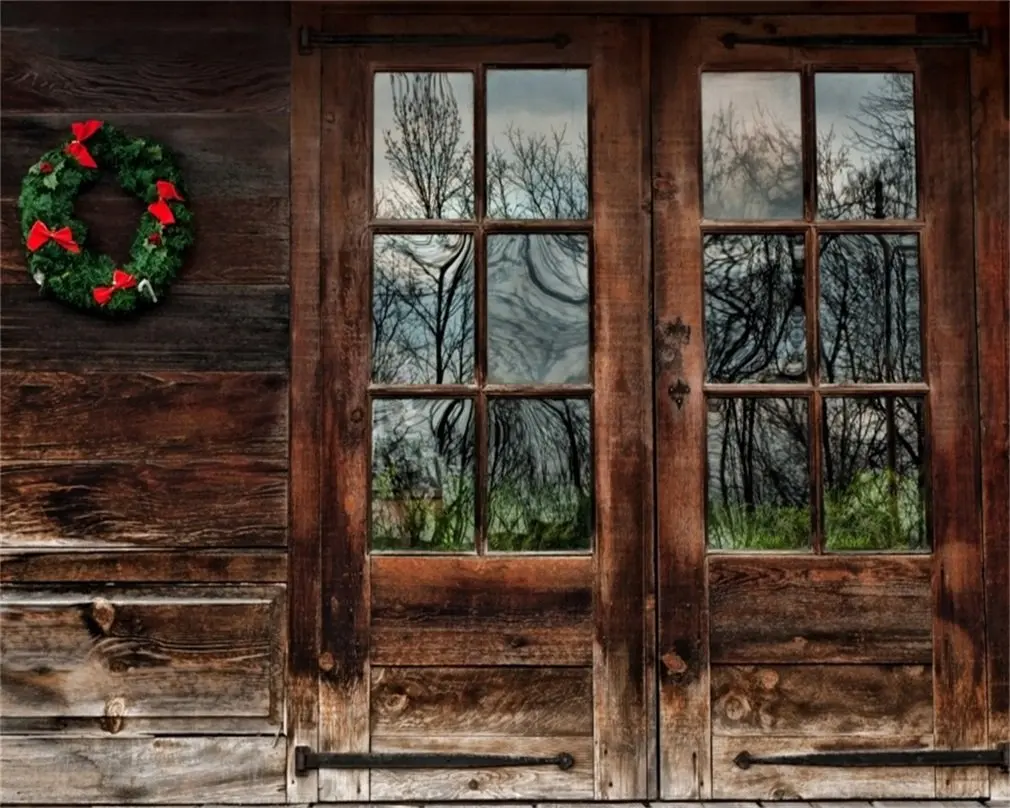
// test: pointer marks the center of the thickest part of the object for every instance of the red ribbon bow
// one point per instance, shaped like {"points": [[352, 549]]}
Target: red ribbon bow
{"points": [[160, 209], [120, 280], [40, 234], [76, 148]]}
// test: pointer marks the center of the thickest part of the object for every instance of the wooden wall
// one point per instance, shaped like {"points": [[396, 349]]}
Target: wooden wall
{"points": [[144, 464]]}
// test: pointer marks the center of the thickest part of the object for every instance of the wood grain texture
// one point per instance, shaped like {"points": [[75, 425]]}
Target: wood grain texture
{"points": [[481, 611], [834, 609], [305, 404], [145, 505], [181, 566], [132, 416], [105, 70], [526, 782], [217, 328], [345, 330], [959, 647], [822, 700], [990, 121], [159, 16], [159, 770], [682, 600], [240, 242], [816, 782], [622, 422], [117, 653], [222, 156], [482, 701]]}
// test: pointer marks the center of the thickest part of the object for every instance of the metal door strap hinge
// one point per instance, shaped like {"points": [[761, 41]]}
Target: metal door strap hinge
{"points": [[1000, 756], [310, 38], [306, 760]]}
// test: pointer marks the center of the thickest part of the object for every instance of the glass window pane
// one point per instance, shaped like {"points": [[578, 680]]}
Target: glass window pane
{"points": [[423, 146], [537, 144], [539, 474], [423, 309], [422, 474], [865, 145], [758, 480], [873, 467], [870, 308], [755, 323], [538, 308], [752, 164]]}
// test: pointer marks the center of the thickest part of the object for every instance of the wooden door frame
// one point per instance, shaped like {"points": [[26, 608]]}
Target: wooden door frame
{"points": [[686, 667]]}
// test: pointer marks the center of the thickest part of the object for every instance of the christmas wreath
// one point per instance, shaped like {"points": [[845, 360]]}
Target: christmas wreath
{"points": [[58, 259]]}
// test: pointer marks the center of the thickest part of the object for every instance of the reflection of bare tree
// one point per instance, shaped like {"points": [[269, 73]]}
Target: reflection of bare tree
{"points": [[539, 466], [423, 327], [869, 306]]}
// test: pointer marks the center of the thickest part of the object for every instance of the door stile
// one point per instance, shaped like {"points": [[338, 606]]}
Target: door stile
{"points": [[959, 649], [682, 597], [303, 414], [623, 380], [345, 479]]}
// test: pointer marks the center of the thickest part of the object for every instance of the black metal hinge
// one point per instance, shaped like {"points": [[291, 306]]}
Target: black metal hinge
{"points": [[1000, 756], [978, 38], [309, 38], [307, 760]]}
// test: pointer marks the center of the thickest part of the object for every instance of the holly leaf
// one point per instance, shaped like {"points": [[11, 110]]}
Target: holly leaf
{"points": [[51, 181]]}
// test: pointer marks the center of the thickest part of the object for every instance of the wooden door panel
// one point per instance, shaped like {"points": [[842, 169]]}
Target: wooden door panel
{"points": [[466, 610], [454, 640]]}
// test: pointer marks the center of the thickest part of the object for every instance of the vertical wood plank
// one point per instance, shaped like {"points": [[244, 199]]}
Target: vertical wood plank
{"points": [[345, 328], [685, 749], [303, 502], [623, 418], [991, 133], [948, 258]]}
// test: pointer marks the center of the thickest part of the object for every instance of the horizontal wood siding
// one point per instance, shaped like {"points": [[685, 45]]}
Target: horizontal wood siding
{"points": [[144, 467], [141, 653]]}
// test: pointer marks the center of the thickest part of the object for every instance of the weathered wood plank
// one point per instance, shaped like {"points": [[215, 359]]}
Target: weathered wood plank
{"points": [[225, 156], [102, 70], [480, 611], [622, 404], [345, 330], [132, 727], [142, 770], [532, 782], [959, 644], [304, 408], [114, 653], [682, 600], [822, 700], [214, 328], [180, 566], [159, 16], [121, 416], [767, 782], [872, 609], [241, 242], [990, 123], [482, 701], [91, 506]]}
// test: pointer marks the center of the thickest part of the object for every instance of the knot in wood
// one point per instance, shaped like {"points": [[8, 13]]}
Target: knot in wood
{"points": [[103, 613], [326, 661]]}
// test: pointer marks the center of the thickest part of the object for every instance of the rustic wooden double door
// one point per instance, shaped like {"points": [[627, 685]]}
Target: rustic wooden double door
{"points": [[649, 417]]}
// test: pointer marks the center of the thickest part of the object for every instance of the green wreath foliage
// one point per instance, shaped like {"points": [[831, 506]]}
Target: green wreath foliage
{"points": [[48, 193]]}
